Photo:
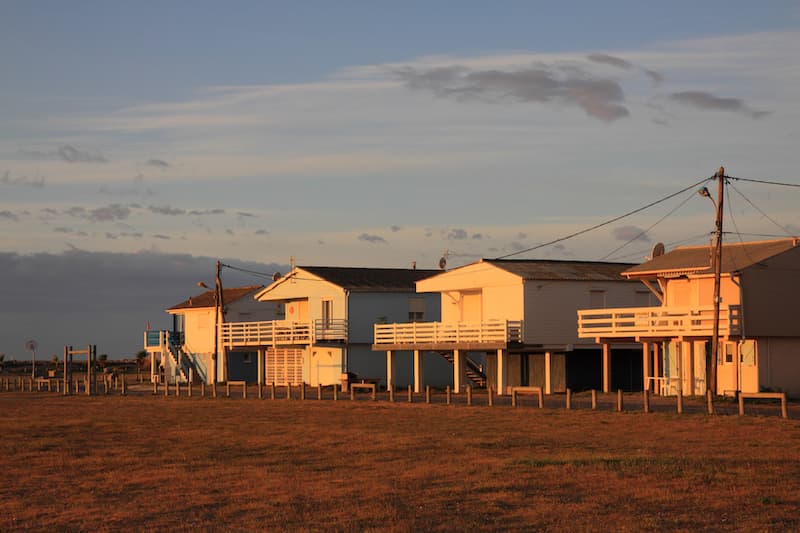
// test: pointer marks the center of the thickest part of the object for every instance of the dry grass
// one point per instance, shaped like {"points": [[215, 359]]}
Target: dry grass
{"points": [[145, 463]]}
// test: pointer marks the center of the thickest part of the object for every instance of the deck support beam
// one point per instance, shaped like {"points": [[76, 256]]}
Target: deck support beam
{"points": [[389, 370], [459, 370], [646, 374], [548, 382], [502, 371], [606, 367]]}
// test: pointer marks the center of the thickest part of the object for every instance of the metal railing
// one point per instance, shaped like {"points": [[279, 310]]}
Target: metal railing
{"points": [[657, 321], [440, 332]]}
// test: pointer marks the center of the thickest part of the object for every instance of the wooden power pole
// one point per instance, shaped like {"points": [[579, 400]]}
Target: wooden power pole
{"points": [[712, 367]]}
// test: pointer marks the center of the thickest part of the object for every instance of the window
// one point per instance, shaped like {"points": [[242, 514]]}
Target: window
{"points": [[643, 299], [247, 357], [416, 309], [728, 353], [327, 313], [748, 353]]}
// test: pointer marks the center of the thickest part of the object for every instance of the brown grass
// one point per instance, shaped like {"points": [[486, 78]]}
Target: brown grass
{"points": [[144, 463]]}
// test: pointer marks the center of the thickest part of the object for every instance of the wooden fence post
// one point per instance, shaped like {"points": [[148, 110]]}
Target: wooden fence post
{"points": [[214, 389], [427, 394], [784, 408], [619, 400], [303, 390], [489, 398], [679, 402], [513, 398], [166, 387], [594, 400], [272, 391], [447, 392], [202, 389], [741, 405], [288, 391], [569, 399], [227, 389], [709, 402], [646, 401], [319, 391], [541, 399], [335, 392], [410, 395], [391, 393]]}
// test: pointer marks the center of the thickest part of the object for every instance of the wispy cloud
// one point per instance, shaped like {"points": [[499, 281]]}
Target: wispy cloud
{"points": [[457, 234], [374, 239], [8, 215], [66, 153], [598, 97], [630, 233], [610, 60], [25, 181], [109, 212], [709, 102], [159, 163], [166, 210]]}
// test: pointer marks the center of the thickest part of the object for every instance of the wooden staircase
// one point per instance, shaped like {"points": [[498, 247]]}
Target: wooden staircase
{"points": [[473, 370]]}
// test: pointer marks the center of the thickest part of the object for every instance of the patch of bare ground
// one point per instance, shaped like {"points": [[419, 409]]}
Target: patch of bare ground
{"points": [[152, 463]]}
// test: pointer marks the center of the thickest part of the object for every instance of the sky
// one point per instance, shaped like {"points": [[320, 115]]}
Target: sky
{"points": [[140, 142]]}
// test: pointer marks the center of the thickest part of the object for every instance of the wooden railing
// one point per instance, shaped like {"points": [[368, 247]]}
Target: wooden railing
{"points": [[282, 332], [440, 332], [657, 321]]}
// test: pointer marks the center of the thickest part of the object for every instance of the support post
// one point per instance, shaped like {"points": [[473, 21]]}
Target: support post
{"points": [[606, 367], [391, 394], [646, 401], [260, 356], [459, 370], [548, 387], [646, 366], [502, 371], [419, 371], [389, 369]]}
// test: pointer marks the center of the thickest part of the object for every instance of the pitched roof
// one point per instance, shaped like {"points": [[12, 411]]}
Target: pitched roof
{"points": [[358, 279], [206, 299], [543, 269], [700, 259]]}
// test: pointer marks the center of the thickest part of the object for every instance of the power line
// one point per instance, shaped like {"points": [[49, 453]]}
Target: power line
{"points": [[669, 244], [760, 211], [765, 182], [607, 222], [643, 232]]}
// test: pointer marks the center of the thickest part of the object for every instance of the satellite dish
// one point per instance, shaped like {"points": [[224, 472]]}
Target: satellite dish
{"points": [[658, 249], [31, 345], [443, 262], [276, 276]]}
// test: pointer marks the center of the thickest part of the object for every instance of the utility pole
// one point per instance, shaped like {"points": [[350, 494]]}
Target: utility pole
{"points": [[219, 319], [711, 372]]}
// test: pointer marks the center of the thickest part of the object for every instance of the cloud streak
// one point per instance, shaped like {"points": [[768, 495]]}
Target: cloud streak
{"points": [[65, 153], [709, 102], [372, 239], [599, 97]]}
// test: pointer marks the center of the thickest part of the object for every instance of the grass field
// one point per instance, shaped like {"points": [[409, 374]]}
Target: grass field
{"points": [[154, 463]]}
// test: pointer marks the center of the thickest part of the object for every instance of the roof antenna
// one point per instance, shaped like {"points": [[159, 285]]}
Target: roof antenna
{"points": [[443, 260]]}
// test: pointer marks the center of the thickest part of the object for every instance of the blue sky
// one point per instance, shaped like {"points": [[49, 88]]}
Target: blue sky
{"points": [[381, 133]]}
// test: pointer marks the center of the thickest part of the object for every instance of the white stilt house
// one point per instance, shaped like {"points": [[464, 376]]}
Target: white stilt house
{"points": [[759, 330], [512, 323]]}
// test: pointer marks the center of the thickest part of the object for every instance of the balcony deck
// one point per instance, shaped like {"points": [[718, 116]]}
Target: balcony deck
{"points": [[282, 333], [657, 322], [447, 336]]}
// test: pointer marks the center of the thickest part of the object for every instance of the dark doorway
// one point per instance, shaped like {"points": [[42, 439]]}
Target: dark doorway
{"points": [[584, 369], [626, 370]]}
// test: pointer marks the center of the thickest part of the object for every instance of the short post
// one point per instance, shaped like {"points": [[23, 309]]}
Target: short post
{"points": [[619, 400], [260, 391], [189, 388], [594, 400], [447, 392], [335, 393], [646, 401], [155, 387], [319, 391], [679, 402], [214, 389], [272, 391], [784, 408], [244, 390], [374, 388], [391, 393], [227, 389], [303, 390], [469, 395], [166, 387], [88, 384], [288, 391], [541, 398], [124, 385], [202, 389], [489, 398], [177, 388], [513, 398], [410, 395], [709, 402], [427, 394], [569, 399], [741, 405]]}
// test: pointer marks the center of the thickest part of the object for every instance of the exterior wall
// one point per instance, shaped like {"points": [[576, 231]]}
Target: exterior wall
{"points": [[551, 307], [323, 365], [500, 293], [699, 291], [365, 309], [771, 294], [362, 361], [309, 288], [243, 366], [779, 365]]}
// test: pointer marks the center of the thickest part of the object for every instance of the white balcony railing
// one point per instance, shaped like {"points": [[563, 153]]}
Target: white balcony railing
{"points": [[282, 332], [503, 331], [657, 321]]}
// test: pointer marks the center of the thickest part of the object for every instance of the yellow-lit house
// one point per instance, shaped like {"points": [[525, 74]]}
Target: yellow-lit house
{"points": [[512, 323], [329, 314], [759, 328], [187, 351]]}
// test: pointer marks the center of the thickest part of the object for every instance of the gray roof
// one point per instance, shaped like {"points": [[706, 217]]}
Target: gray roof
{"points": [[358, 279], [700, 259], [206, 299], [542, 269]]}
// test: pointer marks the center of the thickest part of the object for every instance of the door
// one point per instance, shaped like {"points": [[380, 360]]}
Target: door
{"points": [[471, 307], [748, 358]]}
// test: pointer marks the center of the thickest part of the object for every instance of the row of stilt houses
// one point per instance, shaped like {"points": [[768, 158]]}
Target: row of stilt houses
{"points": [[505, 323]]}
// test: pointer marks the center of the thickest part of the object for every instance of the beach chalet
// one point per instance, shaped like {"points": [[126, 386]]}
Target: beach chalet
{"points": [[508, 323], [188, 349], [325, 333], [759, 329]]}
